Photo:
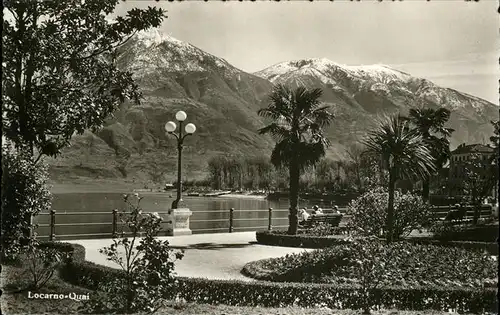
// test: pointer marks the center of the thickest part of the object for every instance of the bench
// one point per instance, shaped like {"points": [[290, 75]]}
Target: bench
{"points": [[465, 214], [332, 218]]}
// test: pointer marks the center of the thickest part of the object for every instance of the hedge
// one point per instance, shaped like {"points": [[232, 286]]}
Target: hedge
{"points": [[74, 251], [490, 247], [272, 294], [480, 233], [279, 238]]}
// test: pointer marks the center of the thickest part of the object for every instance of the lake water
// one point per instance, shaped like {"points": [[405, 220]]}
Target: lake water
{"points": [[210, 214]]}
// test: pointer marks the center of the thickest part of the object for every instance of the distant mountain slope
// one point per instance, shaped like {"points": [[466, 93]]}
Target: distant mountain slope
{"points": [[223, 102], [361, 93]]}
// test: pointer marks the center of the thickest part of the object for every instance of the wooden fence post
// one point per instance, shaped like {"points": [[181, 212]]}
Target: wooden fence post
{"points": [[115, 213], [231, 216], [270, 225], [52, 225]]}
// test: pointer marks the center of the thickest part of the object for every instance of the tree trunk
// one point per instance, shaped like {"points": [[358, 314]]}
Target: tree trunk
{"points": [[294, 197], [390, 208], [426, 189]]}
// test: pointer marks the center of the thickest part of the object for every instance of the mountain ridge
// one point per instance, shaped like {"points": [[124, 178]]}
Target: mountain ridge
{"points": [[223, 101]]}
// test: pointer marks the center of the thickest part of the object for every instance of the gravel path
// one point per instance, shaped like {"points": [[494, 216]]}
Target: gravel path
{"points": [[212, 256]]}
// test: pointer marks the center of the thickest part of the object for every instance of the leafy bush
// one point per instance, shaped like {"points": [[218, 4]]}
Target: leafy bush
{"points": [[280, 294], [418, 264], [490, 247], [272, 294], [324, 229], [25, 193], [41, 262], [450, 232], [369, 263], [148, 265], [368, 213], [281, 238], [69, 251]]}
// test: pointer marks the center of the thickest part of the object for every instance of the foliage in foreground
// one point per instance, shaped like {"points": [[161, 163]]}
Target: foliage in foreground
{"points": [[408, 264], [370, 210], [25, 193], [148, 264], [368, 264], [20, 304], [282, 238], [276, 294], [485, 232], [60, 70]]}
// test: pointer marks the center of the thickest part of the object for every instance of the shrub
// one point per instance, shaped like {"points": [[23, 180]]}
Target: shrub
{"points": [[148, 266], [420, 264], [41, 262], [368, 264], [450, 232], [490, 247], [271, 294], [70, 251], [368, 213], [324, 229], [25, 193], [281, 238], [281, 294]]}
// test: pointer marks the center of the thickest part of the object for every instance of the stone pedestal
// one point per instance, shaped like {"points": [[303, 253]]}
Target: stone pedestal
{"points": [[181, 221]]}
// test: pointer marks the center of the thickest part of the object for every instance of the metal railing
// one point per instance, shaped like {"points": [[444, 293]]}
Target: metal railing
{"points": [[439, 212], [231, 220], [52, 225]]}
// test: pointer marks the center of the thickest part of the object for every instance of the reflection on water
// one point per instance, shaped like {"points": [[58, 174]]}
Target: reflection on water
{"points": [[210, 214]]}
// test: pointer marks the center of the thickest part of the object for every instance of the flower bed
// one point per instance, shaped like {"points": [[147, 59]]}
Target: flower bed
{"points": [[305, 240], [408, 264], [489, 247], [280, 238], [479, 233], [269, 294]]}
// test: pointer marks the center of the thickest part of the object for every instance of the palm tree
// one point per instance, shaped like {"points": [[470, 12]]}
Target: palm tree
{"points": [[430, 123], [298, 122], [402, 152]]}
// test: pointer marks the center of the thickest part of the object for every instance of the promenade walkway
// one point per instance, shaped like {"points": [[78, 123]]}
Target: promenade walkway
{"points": [[212, 256]]}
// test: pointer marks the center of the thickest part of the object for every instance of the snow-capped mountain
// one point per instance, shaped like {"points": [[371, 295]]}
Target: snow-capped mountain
{"points": [[223, 101], [374, 78], [368, 90], [325, 69], [153, 51]]}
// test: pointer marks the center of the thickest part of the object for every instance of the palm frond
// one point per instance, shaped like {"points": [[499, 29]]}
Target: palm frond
{"points": [[298, 119], [321, 116], [277, 131], [282, 153], [307, 100], [400, 147], [281, 104]]}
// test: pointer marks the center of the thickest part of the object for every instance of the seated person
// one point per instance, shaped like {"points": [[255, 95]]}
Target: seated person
{"points": [[317, 210], [336, 210], [303, 216]]}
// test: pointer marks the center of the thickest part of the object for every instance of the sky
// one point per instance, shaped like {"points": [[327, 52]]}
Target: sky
{"points": [[453, 43]]}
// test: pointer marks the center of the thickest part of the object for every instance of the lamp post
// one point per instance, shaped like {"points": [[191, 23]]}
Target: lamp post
{"points": [[190, 128]]}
